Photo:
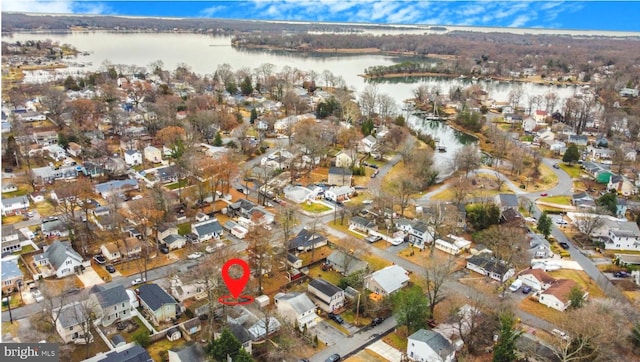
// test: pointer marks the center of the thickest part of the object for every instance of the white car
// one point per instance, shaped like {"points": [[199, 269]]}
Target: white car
{"points": [[37, 295], [367, 202], [195, 255], [137, 281]]}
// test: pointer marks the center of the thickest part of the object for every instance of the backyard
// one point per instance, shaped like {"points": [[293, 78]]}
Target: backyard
{"points": [[314, 207]]}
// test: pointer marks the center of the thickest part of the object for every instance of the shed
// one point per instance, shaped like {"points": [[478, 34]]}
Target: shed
{"points": [[262, 301], [174, 334], [117, 340]]}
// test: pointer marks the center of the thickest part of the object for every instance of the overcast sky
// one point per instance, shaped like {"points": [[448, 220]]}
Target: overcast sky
{"points": [[580, 15]]}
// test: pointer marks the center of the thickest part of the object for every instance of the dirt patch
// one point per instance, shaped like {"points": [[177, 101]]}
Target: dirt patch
{"points": [[626, 285]]}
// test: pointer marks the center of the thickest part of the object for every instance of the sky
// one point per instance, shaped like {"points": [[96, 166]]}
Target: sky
{"points": [[573, 15]]}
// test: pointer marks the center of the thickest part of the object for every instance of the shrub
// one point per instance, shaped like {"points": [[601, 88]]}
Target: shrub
{"points": [[142, 338], [189, 313]]}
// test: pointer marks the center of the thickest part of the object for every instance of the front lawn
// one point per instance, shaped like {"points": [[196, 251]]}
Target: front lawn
{"points": [[177, 185], [560, 200], [541, 311], [583, 280], [315, 207], [397, 339], [572, 170]]}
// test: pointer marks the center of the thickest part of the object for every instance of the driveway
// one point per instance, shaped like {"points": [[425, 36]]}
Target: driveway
{"points": [[327, 333], [90, 278], [386, 351]]}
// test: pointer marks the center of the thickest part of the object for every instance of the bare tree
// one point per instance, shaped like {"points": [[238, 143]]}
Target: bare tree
{"points": [[402, 188], [468, 158], [475, 323], [435, 278], [260, 252]]}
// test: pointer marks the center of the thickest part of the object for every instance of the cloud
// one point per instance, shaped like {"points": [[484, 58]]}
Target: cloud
{"points": [[519, 21], [212, 11], [56, 7]]}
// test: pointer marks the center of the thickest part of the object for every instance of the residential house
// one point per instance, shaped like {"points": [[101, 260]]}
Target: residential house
{"points": [[9, 187], [488, 265], [388, 280], [71, 323], [327, 296], [130, 352], [62, 259], [132, 157], [628, 92], [345, 264], [618, 234], [307, 240], [511, 117], [368, 144], [506, 201], [403, 225], [583, 201], [241, 208], [529, 124], [340, 176], [31, 116], [622, 185], [45, 138], [182, 291], [158, 304], [112, 188], [339, 193], [174, 241], [578, 140], [298, 194], [165, 230], [557, 295], [241, 333], [421, 234], [192, 326], [537, 279], [12, 278], [91, 169], [15, 205], [14, 240], [361, 224], [296, 308], [344, 159], [54, 227], [110, 304], [167, 174], [74, 149], [190, 352], [430, 346], [207, 230], [294, 261], [152, 154], [539, 246], [453, 245], [540, 116]]}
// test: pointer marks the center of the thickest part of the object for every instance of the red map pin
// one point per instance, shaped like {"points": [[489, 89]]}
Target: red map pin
{"points": [[235, 286]]}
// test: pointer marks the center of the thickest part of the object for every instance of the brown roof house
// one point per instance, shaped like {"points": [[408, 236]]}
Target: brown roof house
{"points": [[557, 296], [537, 279]]}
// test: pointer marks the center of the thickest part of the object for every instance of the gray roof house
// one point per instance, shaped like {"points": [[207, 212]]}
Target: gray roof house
{"points": [[14, 205], [296, 308], [107, 189], [306, 241], [488, 265], [387, 280], [111, 304], [155, 300], [429, 345], [62, 260], [190, 352], [507, 201], [338, 262], [69, 324], [130, 352], [327, 296], [174, 241], [12, 277], [207, 230]]}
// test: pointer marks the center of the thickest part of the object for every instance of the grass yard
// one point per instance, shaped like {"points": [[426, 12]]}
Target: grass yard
{"points": [[344, 227], [560, 200], [583, 280], [128, 336], [158, 350], [176, 185], [366, 356], [375, 263], [80, 351], [397, 339], [44, 208], [23, 189], [572, 170], [332, 277], [315, 207], [532, 306], [12, 219], [350, 317]]}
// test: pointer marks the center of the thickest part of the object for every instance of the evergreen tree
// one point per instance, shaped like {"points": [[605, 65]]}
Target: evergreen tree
{"points": [[226, 345], [505, 348], [572, 154], [245, 86], [254, 116], [411, 308], [218, 140], [609, 202], [576, 298], [243, 356], [544, 224]]}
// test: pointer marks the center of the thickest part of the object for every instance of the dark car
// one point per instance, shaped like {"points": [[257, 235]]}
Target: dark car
{"points": [[164, 249], [621, 274], [373, 238], [526, 290], [72, 291], [8, 170], [336, 318], [564, 245], [110, 268], [376, 321], [100, 259], [333, 358]]}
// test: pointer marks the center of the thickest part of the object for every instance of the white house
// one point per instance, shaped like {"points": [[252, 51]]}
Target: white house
{"points": [[529, 124], [60, 259], [174, 241], [537, 279], [15, 205], [158, 304], [110, 304], [132, 157], [368, 144], [557, 295], [430, 346], [152, 154], [619, 234], [490, 266], [327, 296], [207, 230], [296, 308], [344, 159], [339, 193], [9, 187], [387, 280], [71, 323]]}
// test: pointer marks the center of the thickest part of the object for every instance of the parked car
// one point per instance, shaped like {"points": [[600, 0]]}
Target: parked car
{"points": [[336, 318], [526, 289], [72, 291], [559, 333], [164, 249], [195, 255], [555, 165], [137, 281], [100, 259], [333, 358], [564, 245], [29, 214], [621, 274], [110, 268], [373, 238], [376, 321], [544, 194], [37, 295]]}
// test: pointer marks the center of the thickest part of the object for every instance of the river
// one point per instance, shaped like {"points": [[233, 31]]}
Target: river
{"points": [[203, 53]]}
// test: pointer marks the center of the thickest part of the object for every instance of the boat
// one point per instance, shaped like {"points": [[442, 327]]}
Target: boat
{"points": [[441, 148]]}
